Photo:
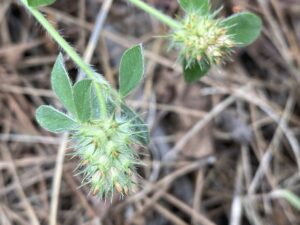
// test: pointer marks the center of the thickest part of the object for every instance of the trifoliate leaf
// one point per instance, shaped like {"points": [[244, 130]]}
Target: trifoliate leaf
{"points": [[195, 71], [131, 69], [53, 120], [244, 27], [195, 5], [61, 85], [82, 98], [38, 3]]}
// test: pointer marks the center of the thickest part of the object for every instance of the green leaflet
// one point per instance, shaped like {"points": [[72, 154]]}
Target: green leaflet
{"points": [[131, 69], [195, 5], [62, 86], [95, 112], [244, 27], [53, 120], [82, 98], [195, 71], [38, 3]]}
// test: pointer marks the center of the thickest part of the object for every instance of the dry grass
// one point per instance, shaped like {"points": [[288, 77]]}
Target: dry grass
{"points": [[219, 149]]}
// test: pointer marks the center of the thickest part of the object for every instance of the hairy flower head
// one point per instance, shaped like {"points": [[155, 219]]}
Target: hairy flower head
{"points": [[106, 154], [202, 37]]}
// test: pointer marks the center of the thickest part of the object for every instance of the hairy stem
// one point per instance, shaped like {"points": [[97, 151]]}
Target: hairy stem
{"points": [[69, 50], [157, 14]]}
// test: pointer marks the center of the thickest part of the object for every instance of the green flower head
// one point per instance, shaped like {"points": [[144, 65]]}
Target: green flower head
{"points": [[202, 37], [204, 40], [105, 148]]}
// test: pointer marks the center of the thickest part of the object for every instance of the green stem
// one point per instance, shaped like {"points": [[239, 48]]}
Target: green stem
{"points": [[157, 14], [69, 50]]}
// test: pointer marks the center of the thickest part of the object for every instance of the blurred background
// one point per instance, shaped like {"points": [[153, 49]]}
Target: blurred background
{"points": [[221, 149]]}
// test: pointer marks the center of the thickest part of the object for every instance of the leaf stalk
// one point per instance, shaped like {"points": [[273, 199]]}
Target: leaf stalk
{"points": [[156, 13], [70, 51]]}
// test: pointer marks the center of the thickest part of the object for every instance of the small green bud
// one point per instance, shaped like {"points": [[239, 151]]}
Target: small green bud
{"points": [[202, 37], [106, 154]]}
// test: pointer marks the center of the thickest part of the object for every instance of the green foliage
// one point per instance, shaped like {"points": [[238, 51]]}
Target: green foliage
{"points": [[82, 98], [62, 86], [53, 120], [104, 131], [131, 69], [201, 6], [103, 142], [244, 27], [195, 71], [38, 3]]}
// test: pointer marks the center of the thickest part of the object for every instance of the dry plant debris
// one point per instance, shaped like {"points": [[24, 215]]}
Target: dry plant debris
{"points": [[221, 148]]}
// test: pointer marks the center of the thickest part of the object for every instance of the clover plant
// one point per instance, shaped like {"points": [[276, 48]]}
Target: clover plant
{"points": [[103, 142], [203, 39], [103, 128]]}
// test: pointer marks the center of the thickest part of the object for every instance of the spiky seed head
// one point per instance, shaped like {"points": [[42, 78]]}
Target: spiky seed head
{"points": [[107, 156], [202, 37]]}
